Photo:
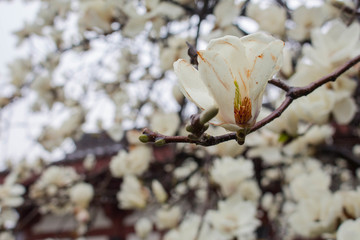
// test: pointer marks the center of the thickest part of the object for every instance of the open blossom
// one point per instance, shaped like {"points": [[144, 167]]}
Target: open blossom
{"points": [[168, 217], [232, 75], [81, 194], [188, 229], [159, 191], [143, 227], [234, 218], [315, 184], [315, 216], [306, 18], [349, 229], [270, 17], [10, 195], [135, 162], [229, 173], [133, 194]]}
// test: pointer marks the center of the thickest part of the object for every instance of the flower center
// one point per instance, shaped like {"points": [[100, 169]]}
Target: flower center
{"points": [[242, 107]]}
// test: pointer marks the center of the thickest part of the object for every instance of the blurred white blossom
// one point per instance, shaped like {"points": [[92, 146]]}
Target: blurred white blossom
{"points": [[168, 217], [315, 216], [349, 229], [229, 173], [135, 162], [143, 227], [81, 194], [159, 191], [165, 123], [269, 16], [132, 194], [234, 218], [187, 229]]}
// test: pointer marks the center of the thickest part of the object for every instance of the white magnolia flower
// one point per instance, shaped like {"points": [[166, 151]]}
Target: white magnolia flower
{"points": [[249, 190], [165, 123], [132, 194], [314, 136], [96, 15], [233, 73], [81, 194], [234, 218], [351, 203], [270, 17], [166, 9], [159, 191], [176, 48], [356, 150], [188, 229], [333, 44], [168, 217], [19, 69], [315, 184], [135, 162], [306, 18], [143, 227], [116, 132], [265, 144], [10, 195], [316, 216], [8, 217], [229, 173], [349, 229], [57, 175], [306, 165], [185, 169], [226, 12]]}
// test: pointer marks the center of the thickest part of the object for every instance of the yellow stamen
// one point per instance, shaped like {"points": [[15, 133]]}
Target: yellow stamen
{"points": [[242, 107]]}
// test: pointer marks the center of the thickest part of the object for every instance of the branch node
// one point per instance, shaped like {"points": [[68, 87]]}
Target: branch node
{"points": [[160, 142]]}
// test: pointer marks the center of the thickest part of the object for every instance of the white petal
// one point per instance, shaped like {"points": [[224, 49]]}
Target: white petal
{"points": [[344, 110], [227, 46], [264, 67], [256, 43], [17, 189], [13, 201], [215, 72], [191, 85], [225, 12], [349, 38], [232, 49], [134, 26]]}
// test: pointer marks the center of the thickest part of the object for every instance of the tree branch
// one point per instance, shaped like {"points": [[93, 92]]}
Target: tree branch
{"points": [[292, 93]]}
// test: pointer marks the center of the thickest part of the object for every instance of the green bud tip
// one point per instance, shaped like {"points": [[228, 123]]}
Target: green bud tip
{"points": [[189, 128], [208, 114], [144, 138], [160, 142]]}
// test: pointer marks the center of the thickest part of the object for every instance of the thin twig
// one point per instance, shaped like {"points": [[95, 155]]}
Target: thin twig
{"points": [[346, 9], [292, 93]]}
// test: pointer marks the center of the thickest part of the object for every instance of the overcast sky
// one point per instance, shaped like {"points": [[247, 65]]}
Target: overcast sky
{"points": [[13, 14]]}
